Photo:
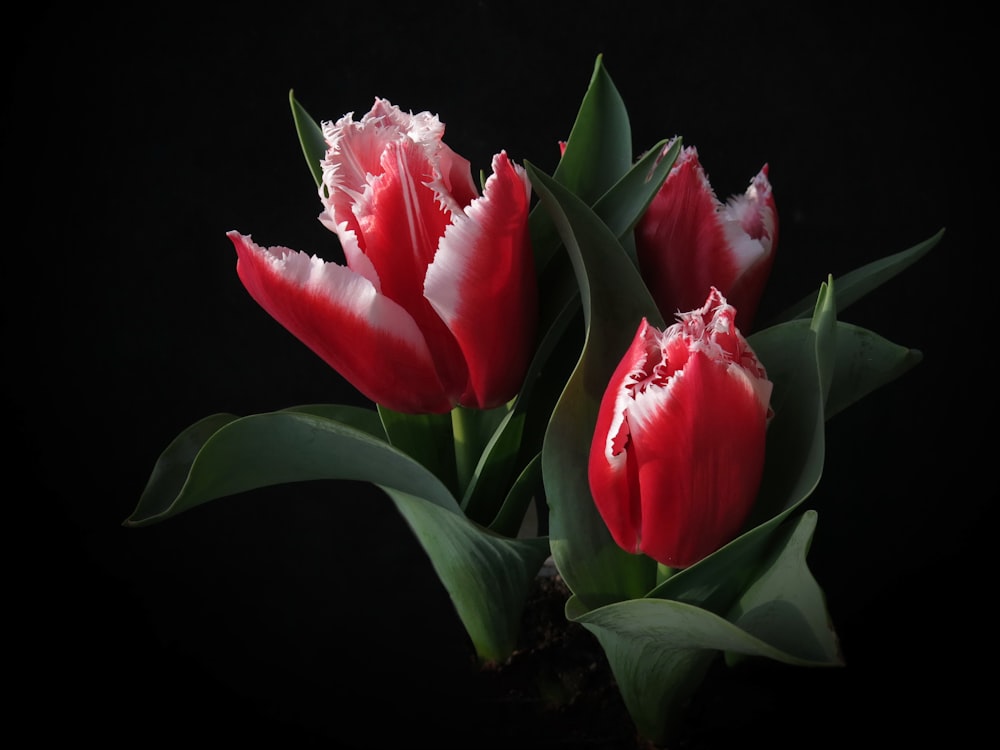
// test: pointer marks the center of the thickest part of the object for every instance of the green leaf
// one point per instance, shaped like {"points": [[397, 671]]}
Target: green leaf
{"points": [[495, 468], [526, 488], [225, 455], [486, 575], [784, 606], [311, 138], [599, 148], [367, 420], [854, 285], [799, 360], [614, 301], [659, 649], [624, 204], [865, 361], [598, 152], [620, 209]]}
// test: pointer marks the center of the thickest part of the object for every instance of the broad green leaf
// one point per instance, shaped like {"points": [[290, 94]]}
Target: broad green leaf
{"points": [[358, 417], [659, 649], [614, 301], [487, 576], [170, 472], [224, 455], [865, 361], [311, 138], [784, 606], [854, 285], [802, 373]]}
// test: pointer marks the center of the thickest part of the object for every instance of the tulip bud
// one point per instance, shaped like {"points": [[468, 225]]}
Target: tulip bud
{"points": [[687, 241], [678, 449]]}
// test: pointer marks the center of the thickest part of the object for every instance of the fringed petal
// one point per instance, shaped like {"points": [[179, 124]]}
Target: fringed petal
{"points": [[366, 337], [699, 447], [687, 241], [751, 224], [611, 470], [482, 284], [678, 448]]}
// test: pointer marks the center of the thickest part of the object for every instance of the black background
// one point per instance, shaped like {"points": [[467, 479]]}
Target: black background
{"points": [[308, 615]]}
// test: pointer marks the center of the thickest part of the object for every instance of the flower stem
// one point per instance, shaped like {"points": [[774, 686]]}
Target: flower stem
{"points": [[663, 572], [466, 453]]}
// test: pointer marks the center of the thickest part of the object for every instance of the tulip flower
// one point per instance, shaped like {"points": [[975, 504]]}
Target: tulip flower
{"points": [[678, 449], [436, 305], [687, 241]]}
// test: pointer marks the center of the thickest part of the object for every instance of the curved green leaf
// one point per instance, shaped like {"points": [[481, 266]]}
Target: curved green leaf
{"points": [[856, 284], [598, 152], [526, 488], [784, 606], [366, 420], [495, 468], [614, 301], [599, 147], [311, 138], [487, 576], [865, 361], [224, 455], [659, 649], [800, 362]]}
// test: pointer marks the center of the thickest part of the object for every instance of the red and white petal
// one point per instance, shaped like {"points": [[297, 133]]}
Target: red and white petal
{"points": [[611, 470], [482, 284], [751, 224], [366, 337], [355, 258], [681, 246], [699, 448]]}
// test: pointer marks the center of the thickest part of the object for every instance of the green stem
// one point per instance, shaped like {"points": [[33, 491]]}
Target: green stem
{"points": [[466, 453], [663, 572]]}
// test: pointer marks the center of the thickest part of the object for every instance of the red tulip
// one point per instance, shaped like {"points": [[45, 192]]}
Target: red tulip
{"points": [[678, 449], [436, 306], [687, 241]]}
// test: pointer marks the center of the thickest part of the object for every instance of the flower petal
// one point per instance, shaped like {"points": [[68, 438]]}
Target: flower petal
{"points": [[611, 470], [751, 225], [678, 448], [397, 224], [366, 337], [699, 446], [482, 284], [687, 241]]}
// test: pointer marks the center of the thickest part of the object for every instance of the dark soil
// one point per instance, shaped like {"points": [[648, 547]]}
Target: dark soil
{"points": [[558, 683]]}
